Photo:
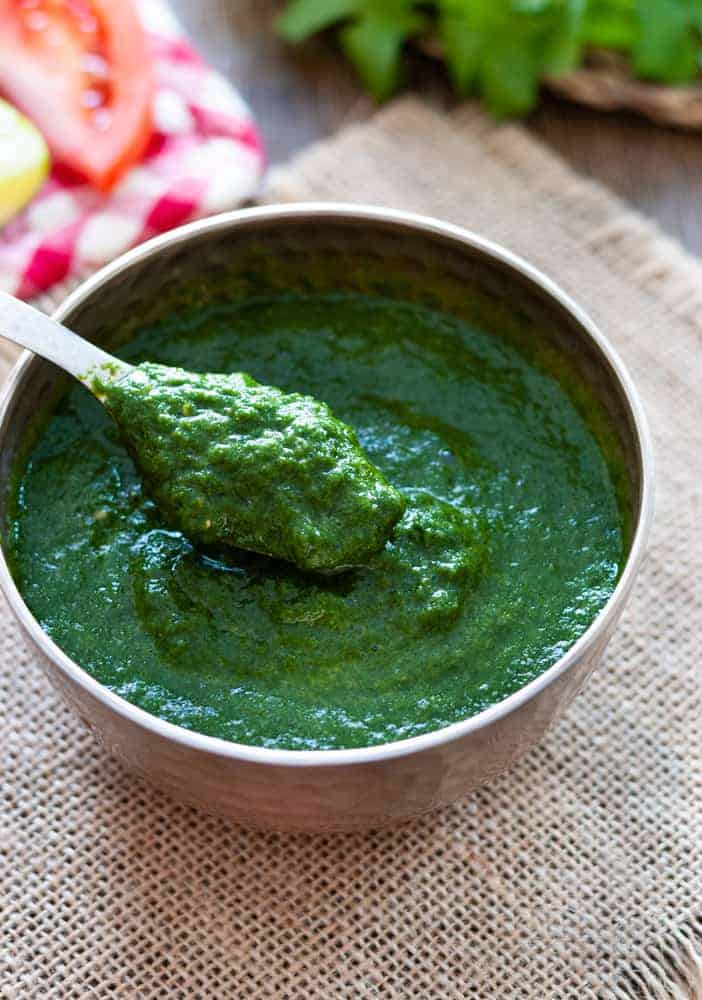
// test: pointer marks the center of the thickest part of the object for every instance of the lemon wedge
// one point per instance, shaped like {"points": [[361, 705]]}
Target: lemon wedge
{"points": [[24, 161]]}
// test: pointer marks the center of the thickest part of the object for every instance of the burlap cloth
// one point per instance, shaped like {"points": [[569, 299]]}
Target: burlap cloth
{"points": [[577, 875]]}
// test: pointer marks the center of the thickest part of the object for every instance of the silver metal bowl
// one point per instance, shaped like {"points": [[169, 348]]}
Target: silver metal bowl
{"points": [[332, 789]]}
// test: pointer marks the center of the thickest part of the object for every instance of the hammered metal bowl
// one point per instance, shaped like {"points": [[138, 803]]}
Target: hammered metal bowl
{"points": [[330, 790]]}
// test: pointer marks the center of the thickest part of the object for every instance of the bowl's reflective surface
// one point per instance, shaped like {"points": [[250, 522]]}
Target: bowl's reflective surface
{"points": [[331, 790]]}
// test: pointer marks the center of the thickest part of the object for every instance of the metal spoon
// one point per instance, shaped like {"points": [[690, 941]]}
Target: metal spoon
{"points": [[33, 329]]}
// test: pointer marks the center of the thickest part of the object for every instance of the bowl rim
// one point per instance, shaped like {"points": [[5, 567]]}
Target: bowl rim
{"points": [[339, 211]]}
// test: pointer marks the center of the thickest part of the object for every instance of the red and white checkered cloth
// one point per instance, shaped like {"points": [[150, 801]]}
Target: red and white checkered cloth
{"points": [[205, 156]]}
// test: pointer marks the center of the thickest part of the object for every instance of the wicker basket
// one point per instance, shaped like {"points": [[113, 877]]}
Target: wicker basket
{"points": [[605, 82]]}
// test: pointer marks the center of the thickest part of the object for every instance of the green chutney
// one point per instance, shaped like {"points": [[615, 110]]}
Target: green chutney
{"points": [[510, 544], [230, 461]]}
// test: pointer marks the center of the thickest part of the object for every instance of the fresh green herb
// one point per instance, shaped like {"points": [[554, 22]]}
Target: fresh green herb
{"points": [[501, 49]]}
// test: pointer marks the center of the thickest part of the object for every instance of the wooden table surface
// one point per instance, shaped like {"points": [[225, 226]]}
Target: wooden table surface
{"points": [[300, 95]]}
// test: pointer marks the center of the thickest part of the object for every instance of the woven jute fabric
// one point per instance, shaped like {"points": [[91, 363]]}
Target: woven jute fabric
{"points": [[576, 875]]}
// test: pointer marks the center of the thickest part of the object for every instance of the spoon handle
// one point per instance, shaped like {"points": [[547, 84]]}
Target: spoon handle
{"points": [[30, 328]]}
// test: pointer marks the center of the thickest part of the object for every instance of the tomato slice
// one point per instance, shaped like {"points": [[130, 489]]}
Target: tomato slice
{"points": [[81, 70]]}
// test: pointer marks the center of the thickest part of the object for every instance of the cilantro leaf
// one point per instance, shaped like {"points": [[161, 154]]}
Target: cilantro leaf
{"points": [[372, 36], [374, 41], [563, 45], [302, 18], [611, 24], [509, 78], [501, 49], [666, 48], [463, 39]]}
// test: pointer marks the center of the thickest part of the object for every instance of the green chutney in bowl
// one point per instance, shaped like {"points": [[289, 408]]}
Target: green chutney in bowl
{"points": [[512, 541]]}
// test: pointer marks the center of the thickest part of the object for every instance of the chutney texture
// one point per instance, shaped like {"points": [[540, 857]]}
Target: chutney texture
{"points": [[510, 543]]}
